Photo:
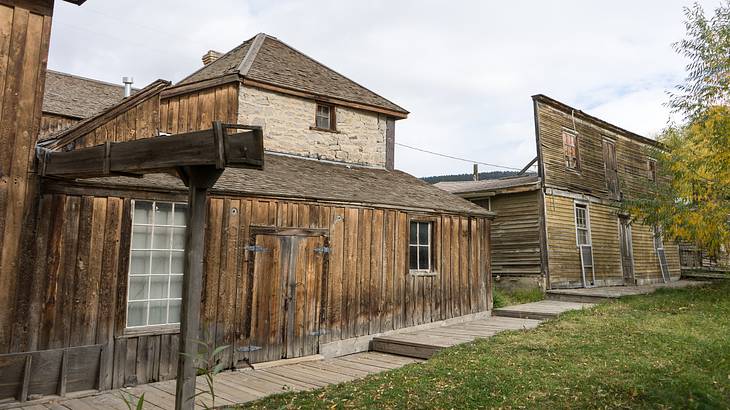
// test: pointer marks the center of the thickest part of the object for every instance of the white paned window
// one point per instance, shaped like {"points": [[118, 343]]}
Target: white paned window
{"points": [[419, 246], [582, 225], [156, 263]]}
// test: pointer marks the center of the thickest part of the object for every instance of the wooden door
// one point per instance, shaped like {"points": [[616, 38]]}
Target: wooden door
{"points": [[303, 305], [611, 165], [627, 251], [286, 300], [266, 341]]}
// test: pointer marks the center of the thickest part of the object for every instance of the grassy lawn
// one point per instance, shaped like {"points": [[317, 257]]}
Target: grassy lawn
{"points": [[667, 350]]}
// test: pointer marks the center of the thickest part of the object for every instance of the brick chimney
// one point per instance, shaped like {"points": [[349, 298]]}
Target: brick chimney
{"points": [[211, 56]]}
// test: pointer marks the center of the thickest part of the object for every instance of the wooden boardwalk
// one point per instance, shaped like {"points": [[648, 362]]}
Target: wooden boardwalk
{"points": [[608, 293], [544, 309], [389, 352], [425, 343], [239, 386]]}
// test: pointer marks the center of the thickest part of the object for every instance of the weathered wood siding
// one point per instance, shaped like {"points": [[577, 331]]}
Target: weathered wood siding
{"points": [[77, 292], [52, 123], [140, 121], [197, 110], [631, 155], [646, 261], [25, 30], [515, 235], [590, 182], [564, 258]]}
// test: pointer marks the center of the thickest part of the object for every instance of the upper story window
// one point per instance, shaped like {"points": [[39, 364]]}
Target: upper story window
{"points": [[156, 263], [582, 225], [570, 149], [325, 117], [420, 246], [651, 169]]}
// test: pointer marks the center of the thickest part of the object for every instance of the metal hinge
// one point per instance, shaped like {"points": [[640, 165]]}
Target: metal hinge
{"points": [[318, 333], [249, 348], [256, 248], [322, 249]]}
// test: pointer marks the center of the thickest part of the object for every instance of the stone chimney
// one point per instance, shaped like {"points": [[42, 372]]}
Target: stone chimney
{"points": [[211, 56]]}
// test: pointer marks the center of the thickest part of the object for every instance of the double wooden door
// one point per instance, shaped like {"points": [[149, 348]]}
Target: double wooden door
{"points": [[287, 293]]}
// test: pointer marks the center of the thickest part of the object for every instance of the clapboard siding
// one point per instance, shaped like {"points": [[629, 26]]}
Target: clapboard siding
{"points": [[631, 155], [24, 37], [564, 259], [79, 283], [197, 110], [515, 234]]}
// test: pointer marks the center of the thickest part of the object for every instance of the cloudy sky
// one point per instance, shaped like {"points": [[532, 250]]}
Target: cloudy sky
{"points": [[464, 69]]}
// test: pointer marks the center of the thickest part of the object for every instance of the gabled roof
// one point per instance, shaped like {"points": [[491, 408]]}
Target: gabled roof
{"points": [[265, 59], [490, 185], [310, 179], [78, 97]]}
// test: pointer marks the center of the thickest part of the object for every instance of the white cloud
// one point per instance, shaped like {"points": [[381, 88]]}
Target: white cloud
{"points": [[465, 70]]}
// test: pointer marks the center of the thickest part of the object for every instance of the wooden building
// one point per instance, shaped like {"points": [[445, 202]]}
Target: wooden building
{"points": [[321, 250], [565, 228], [68, 99]]}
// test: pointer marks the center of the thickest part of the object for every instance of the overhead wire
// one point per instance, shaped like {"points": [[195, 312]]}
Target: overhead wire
{"points": [[471, 161]]}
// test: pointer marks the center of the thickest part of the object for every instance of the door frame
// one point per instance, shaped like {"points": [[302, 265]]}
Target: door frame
{"points": [[255, 230], [624, 226]]}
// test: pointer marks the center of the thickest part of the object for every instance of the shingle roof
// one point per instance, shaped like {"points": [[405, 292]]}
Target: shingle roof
{"points": [[269, 60], [294, 177], [78, 97], [461, 187]]}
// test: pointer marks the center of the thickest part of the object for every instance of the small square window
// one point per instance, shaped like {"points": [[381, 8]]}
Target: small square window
{"points": [[419, 246], [325, 117]]}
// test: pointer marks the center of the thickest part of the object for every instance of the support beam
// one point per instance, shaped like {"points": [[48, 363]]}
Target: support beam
{"points": [[199, 180]]}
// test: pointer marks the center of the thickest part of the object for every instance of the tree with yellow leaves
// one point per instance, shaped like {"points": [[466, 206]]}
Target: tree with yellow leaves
{"points": [[691, 198]]}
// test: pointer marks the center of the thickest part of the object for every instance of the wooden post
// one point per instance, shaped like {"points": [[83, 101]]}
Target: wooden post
{"points": [[475, 175], [199, 180]]}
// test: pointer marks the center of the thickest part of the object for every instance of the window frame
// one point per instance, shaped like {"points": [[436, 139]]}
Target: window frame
{"points": [[651, 172], [158, 328], [432, 246], [586, 207], [576, 147], [332, 117]]}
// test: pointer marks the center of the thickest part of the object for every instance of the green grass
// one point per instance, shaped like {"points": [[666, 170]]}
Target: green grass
{"points": [[502, 298], [667, 350]]}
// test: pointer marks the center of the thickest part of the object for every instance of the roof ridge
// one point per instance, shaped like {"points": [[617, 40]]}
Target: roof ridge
{"points": [[253, 51], [336, 72], [217, 59]]}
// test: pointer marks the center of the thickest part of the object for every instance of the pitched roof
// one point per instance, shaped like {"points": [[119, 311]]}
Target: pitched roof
{"points": [[78, 97], [266, 59], [300, 178], [463, 187]]}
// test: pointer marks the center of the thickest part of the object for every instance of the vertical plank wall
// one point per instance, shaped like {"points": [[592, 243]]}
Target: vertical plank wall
{"points": [[79, 285], [197, 110], [24, 38]]}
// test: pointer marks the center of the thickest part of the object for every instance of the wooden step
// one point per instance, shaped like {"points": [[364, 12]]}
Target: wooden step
{"points": [[404, 348], [557, 295], [520, 314]]}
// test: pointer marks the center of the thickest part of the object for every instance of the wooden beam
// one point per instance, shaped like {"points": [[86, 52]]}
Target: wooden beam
{"points": [[199, 180], [199, 148]]}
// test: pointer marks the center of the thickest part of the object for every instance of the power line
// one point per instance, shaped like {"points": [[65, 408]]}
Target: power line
{"points": [[457, 158]]}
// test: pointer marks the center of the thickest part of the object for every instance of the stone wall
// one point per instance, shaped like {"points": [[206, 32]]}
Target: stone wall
{"points": [[360, 136]]}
